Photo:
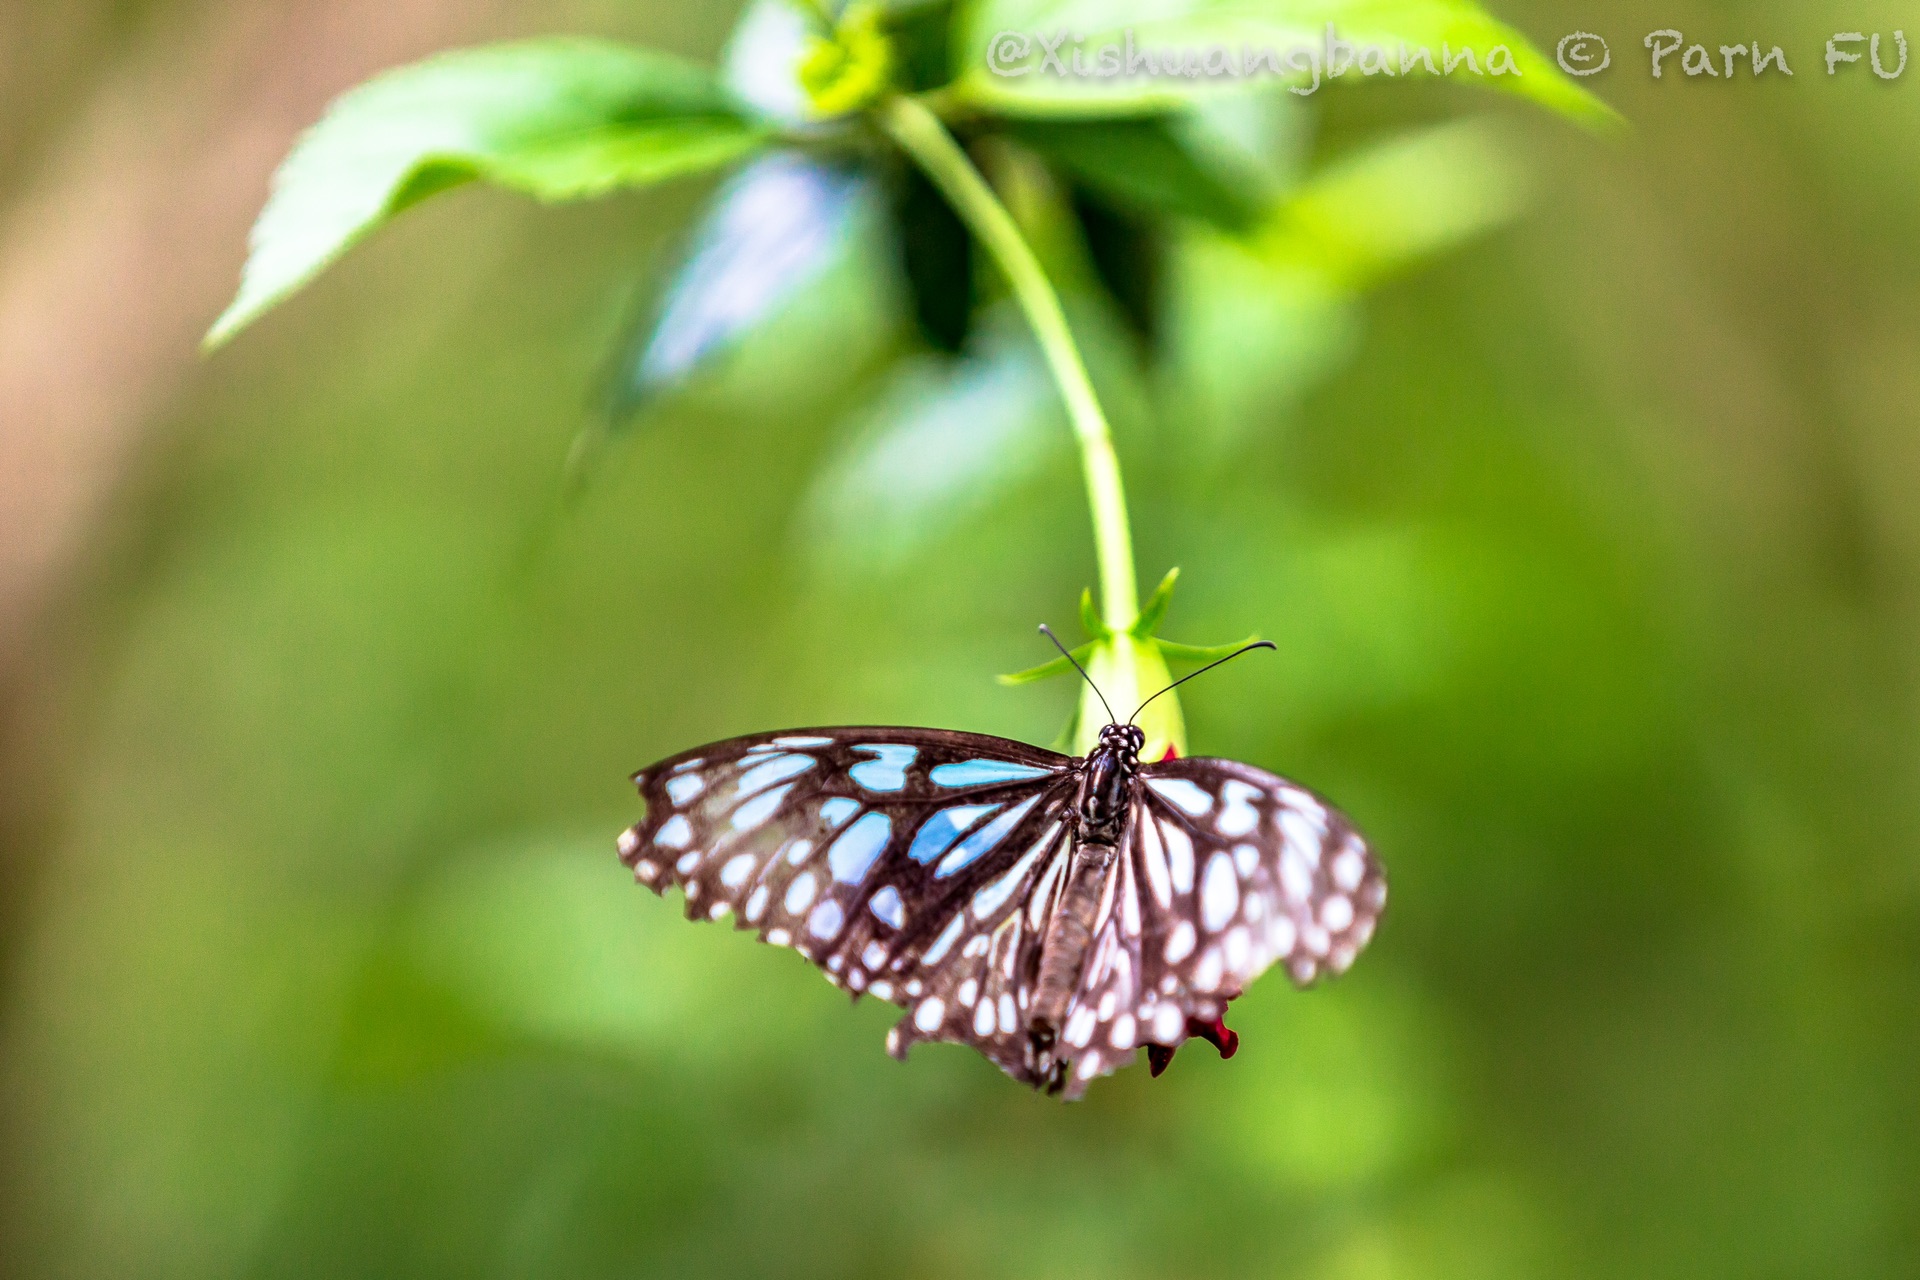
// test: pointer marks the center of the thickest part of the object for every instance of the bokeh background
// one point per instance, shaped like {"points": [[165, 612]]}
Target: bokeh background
{"points": [[1583, 511]]}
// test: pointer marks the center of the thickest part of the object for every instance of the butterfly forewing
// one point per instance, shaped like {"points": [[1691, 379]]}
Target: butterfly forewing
{"points": [[895, 859]]}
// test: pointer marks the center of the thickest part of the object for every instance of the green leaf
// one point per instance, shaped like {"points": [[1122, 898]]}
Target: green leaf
{"points": [[556, 119], [1156, 606], [1146, 164], [1174, 652], [1196, 26], [1047, 670]]}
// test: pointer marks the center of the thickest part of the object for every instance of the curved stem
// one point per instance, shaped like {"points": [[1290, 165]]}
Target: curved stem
{"points": [[921, 135]]}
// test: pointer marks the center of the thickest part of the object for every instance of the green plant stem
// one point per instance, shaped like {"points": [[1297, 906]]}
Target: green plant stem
{"points": [[921, 135]]}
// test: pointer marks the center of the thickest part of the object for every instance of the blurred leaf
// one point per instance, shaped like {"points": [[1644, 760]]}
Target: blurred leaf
{"points": [[1194, 25], [943, 439], [1146, 165], [922, 35], [936, 260], [1258, 320], [770, 232], [557, 119], [1128, 256], [1412, 197]]}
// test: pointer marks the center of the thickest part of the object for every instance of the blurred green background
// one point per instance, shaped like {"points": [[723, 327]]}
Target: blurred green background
{"points": [[1581, 506]]}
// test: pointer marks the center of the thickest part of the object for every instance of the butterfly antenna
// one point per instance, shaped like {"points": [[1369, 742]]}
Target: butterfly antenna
{"points": [[1047, 631], [1257, 644]]}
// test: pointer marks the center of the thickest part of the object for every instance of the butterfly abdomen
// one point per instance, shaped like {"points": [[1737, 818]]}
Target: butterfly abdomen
{"points": [[1068, 939]]}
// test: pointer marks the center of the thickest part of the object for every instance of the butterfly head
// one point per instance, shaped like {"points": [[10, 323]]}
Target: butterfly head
{"points": [[1125, 739]]}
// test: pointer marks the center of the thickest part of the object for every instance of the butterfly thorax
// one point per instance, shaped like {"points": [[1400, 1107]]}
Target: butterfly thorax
{"points": [[1106, 793]]}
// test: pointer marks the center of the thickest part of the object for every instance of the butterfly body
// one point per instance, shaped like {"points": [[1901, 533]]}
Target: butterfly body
{"points": [[1053, 912]]}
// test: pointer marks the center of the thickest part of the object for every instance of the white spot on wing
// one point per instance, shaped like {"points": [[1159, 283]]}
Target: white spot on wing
{"points": [[826, 919], [1246, 860], [1122, 1035], [837, 810], [873, 956], [944, 943], [759, 809], [803, 742], [1168, 1024], [800, 893], [1349, 869], [1301, 835], [1239, 949], [888, 908], [799, 851], [995, 895], [1184, 792], [1207, 974], [852, 854], [928, 1016], [1237, 814], [738, 868], [1337, 913], [1180, 942], [969, 991], [1296, 877], [1219, 893], [756, 904], [675, 833], [983, 1019], [765, 772], [1154, 857], [688, 861], [1079, 1028], [1179, 857], [1009, 1016]]}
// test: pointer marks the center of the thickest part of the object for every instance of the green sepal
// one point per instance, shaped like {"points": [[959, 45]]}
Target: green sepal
{"points": [[1156, 606], [1047, 670], [1090, 620], [1174, 652]]}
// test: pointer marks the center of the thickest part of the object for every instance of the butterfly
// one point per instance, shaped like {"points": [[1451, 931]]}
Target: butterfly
{"points": [[1056, 913]]}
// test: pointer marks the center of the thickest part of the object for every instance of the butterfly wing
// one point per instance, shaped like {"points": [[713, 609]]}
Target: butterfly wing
{"points": [[1227, 869], [897, 860]]}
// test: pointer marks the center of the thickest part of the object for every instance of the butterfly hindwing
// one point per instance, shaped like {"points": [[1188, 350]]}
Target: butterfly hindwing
{"points": [[1227, 869], [868, 850]]}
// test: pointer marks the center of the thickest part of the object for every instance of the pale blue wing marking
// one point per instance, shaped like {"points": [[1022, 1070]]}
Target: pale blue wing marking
{"points": [[1190, 796], [995, 895], [759, 809], [943, 828], [803, 742], [826, 919], [769, 771], [887, 771], [684, 787], [887, 906], [852, 855], [970, 850], [675, 833], [978, 773], [838, 810]]}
